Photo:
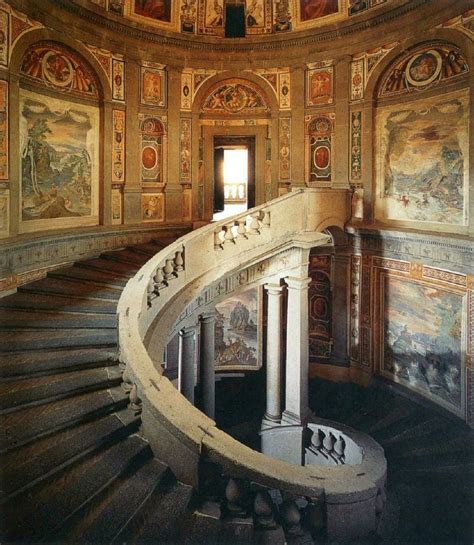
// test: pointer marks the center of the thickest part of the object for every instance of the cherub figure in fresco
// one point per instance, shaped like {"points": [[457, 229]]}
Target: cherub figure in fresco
{"points": [[217, 100]]}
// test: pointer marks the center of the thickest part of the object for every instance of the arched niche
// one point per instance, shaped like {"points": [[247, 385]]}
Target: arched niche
{"points": [[234, 105], [57, 92]]}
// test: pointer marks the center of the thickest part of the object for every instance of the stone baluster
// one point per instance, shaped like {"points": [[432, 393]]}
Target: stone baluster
{"points": [[254, 224], [241, 230], [236, 498], [229, 234], [179, 260], [168, 269]]}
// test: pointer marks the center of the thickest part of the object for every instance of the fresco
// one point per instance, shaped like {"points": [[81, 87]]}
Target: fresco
{"points": [[153, 207], [159, 10], [284, 144], [258, 16], [59, 143], [4, 216], [233, 97], [211, 17], [3, 130], [423, 68], [60, 68], [423, 151], [356, 146], [320, 308], [314, 9], [422, 339], [118, 146], [238, 331], [152, 149], [320, 131], [319, 86], [153, 86]]}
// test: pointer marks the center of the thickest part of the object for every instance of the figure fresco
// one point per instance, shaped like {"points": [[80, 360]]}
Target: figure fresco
{"points": [[320, 86], [314, 9], [234, 97], [422, 338], [153, 207], [160, 10], [59, 142], [423, 152], [237, 331], [153, 86]]}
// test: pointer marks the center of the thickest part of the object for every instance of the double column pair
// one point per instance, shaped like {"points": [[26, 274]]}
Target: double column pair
{"points": [[295, 373], [187, 358]]}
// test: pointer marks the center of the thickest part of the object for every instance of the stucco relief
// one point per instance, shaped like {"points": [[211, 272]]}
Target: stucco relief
{"points": [[423, 160]]}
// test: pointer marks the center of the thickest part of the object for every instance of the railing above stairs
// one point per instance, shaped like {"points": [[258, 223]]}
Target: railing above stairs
{"points": [[179, 433]]}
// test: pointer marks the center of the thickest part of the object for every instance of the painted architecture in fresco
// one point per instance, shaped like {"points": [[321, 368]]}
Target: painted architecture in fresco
{"points": [[422, 336], [59, 159], [423, 152], [238, 331]]}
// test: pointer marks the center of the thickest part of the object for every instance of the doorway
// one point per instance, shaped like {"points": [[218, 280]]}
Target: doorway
{"points": [[234, 175]]}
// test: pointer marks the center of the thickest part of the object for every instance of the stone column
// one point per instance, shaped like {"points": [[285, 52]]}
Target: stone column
{"points": [[274, 356], [186, 338], [207, 357], [296, 409]]}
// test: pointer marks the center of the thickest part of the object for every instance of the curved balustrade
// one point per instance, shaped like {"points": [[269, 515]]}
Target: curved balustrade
{"points": [[182, 435]]}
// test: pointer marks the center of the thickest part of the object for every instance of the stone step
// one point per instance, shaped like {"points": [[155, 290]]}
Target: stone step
{"points": [[54, 302], [22, 427], [16, 394], [42, 515], [161, 521], [147, 248], [122, 508], [75, 287], [45, 319], [124, 270], [90, 277], [31, 339], [29, 467], [203, 525], [126, 256], [47, 361], [399, 425]]}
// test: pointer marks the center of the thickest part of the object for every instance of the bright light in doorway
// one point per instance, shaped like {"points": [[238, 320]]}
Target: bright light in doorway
{"points": [[235, 166]]}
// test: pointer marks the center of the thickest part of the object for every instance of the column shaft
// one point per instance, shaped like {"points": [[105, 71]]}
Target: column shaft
{"points": [[274, 356], [208, 363], [296, 408], [186, 337]]}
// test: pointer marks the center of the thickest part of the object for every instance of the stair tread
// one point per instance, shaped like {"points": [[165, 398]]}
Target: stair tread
{"points": [[126, 256], [45, 512], [146, 248], [107, 265], [19, 392], [89, 276], [52, 302], [121, 507], [28, 424], [21, 339], [22, 363], [46, 319], [160, 524], [63, 449], [109, 291]]}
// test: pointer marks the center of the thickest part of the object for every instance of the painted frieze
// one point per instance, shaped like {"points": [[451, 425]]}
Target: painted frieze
{"points": [[357, 79], [118, 146], [4, 130], [118, 80], [356, 146], [185, 152], [284, 146], [117, 205], [423, 160]]}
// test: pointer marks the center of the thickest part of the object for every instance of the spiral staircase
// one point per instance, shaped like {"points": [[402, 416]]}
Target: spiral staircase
{"points": [[77, 469]]}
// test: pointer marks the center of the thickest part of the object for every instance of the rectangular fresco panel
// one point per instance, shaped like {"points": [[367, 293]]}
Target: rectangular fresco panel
{"points": [[314, 9], [3, 130], [153, 85], [238, 331], [423, 156], [59, 144], [159, 10], [153, 207], [423, 339]]}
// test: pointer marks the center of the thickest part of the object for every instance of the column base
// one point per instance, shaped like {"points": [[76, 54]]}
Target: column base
{"points": [[269, 421], [289, 418]]}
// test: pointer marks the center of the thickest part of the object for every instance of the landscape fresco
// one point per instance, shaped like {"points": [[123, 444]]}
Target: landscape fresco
{"points": [[237, 332], [423, 161], [423, 339], [59, 143]]}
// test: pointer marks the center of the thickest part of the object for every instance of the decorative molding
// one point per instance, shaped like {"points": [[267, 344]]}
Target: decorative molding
{"points": [[118, 146]]}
